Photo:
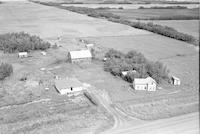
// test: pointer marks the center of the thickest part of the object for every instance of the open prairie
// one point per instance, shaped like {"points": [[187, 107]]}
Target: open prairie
{"points": [[53, 113]]}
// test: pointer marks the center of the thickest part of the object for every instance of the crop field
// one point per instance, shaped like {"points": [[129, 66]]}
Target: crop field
{"points": [[61, 114], [50, 22], [128, 6], [190, 27], [132, 14]]}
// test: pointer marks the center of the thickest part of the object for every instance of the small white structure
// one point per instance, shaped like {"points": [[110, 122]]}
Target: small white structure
{"points": [[81, 55], [89, 45], [175, 80], [104, 59], [43, 53], [42, 69], [124, 73], [22, 54], [148, 84], [68, 86]]}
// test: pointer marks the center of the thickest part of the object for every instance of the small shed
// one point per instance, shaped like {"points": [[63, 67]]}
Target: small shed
{"points": [[89, 45], [68, 86], [81, 55], [175, 80], [104, 59], [124, 73], [148, 84], [43, 53], [22, 54]]}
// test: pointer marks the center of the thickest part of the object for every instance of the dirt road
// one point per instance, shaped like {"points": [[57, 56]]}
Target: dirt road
{"points": [[185, 124], [125, 124], [121, 119]]}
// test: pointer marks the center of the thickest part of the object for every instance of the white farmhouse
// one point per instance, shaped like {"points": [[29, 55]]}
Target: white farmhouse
{"points": [[68, 86], [148, 84], [22, 54], [175, 80], [81, 55]]}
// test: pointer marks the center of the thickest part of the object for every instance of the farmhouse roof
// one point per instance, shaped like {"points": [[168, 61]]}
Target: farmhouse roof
{"points": [[141, 81], [67, 83], [80, 54]]}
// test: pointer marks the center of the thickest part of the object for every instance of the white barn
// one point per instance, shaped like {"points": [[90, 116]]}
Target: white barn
{"points": [[68, 86], [175, 80], [148, 84], [81, 55], [22, 54]]}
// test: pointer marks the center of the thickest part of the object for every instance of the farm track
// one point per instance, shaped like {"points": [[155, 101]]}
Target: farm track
{"points": [[121, 119], [126, 124], [24, 104], [186, 124]]}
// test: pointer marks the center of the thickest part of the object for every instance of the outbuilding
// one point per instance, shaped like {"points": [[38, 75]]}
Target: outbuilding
{"points": [[43, 53], [22, 54], [68, 86], [175, 80], [81, 55], [89, 46], [148, 84], [124, 73]]}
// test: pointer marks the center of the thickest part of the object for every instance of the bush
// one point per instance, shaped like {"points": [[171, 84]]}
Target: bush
{"points": [[114, 54], [157, 71], [5, 70], [12, 42], [118, 62]]}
